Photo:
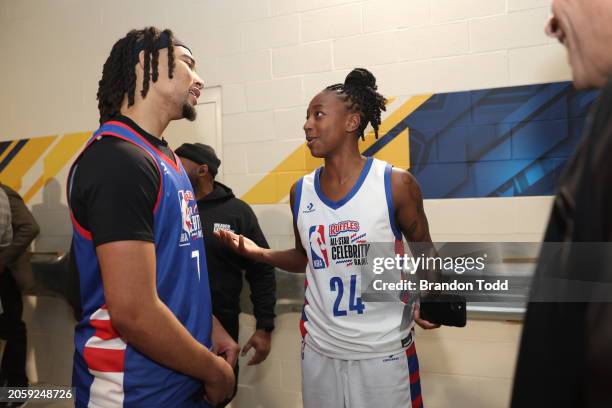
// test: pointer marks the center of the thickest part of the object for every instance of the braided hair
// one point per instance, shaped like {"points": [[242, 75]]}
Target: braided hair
{"points": [[118, 74], [359, 94]]}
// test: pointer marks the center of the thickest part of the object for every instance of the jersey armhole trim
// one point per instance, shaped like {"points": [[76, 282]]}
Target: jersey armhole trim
{"points": [[161, 154], [69, 183], [79, 228], [297, 198], [390, 206]]}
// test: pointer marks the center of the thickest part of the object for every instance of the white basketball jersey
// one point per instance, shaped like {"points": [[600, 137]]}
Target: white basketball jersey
{"points": [[337, 236]]}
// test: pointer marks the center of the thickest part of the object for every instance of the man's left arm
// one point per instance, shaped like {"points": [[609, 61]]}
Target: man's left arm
{"points": [[262, 282], [25, 229]]}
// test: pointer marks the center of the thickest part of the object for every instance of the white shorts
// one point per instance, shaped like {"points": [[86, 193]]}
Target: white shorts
{"points": [[386, 382]]}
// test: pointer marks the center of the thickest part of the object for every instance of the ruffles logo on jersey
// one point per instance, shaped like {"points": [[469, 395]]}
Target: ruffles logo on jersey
{"points": [[318, 248], [348, 244], [343, 226], [190, 218]]}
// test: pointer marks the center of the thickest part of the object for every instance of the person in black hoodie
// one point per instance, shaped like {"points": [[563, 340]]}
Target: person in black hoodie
{"points": [[220, 209]]}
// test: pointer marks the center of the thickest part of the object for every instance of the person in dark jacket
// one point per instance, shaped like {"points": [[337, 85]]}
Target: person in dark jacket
{"points": [[220, 209], [6, 229], [565, 357], [13, 258]]}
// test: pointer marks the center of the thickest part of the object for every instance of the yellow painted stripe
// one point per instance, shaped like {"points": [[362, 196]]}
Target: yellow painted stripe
{"points": [[19, 165], [56, 159], [408, 147], [393, 119], [8, 150], [275, 186], [396, 151], [38, 184]]}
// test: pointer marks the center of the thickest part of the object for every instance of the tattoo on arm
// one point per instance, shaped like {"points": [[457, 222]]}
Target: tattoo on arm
{"points": [[418, 229], [411, 229]]}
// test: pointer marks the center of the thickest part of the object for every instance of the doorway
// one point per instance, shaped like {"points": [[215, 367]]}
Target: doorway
{"points": [[205, 129]]}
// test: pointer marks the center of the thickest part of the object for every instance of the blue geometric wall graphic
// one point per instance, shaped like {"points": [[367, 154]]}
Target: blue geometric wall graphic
{"points": [[502, 142]]}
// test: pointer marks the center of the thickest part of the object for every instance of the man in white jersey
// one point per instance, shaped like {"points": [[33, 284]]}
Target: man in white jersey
{"points": [[355, 353]]}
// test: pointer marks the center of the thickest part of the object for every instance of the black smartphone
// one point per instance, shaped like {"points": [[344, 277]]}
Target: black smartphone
{"points": [[444, 309]]}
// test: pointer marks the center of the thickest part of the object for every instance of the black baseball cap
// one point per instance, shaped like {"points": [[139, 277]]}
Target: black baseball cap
{"points": [[200, 153]]}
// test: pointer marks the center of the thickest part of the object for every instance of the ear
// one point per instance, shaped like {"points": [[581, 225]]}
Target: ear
{"points": [[202, 169], [353, 121], [141, 59]]}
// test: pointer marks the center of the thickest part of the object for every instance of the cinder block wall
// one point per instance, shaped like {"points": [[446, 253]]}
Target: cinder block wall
{"points": [[270, 57]]}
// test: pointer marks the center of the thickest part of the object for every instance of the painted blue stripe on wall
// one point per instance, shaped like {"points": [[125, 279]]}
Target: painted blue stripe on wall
{"points": [[510, 141], [13, 153]]}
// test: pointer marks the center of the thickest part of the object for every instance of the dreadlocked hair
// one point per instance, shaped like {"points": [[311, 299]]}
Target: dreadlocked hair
{"points": [[359, 94], [118, 74]]}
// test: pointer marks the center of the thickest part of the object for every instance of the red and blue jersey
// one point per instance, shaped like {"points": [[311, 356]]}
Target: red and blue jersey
{"points": [[108, 372]]}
